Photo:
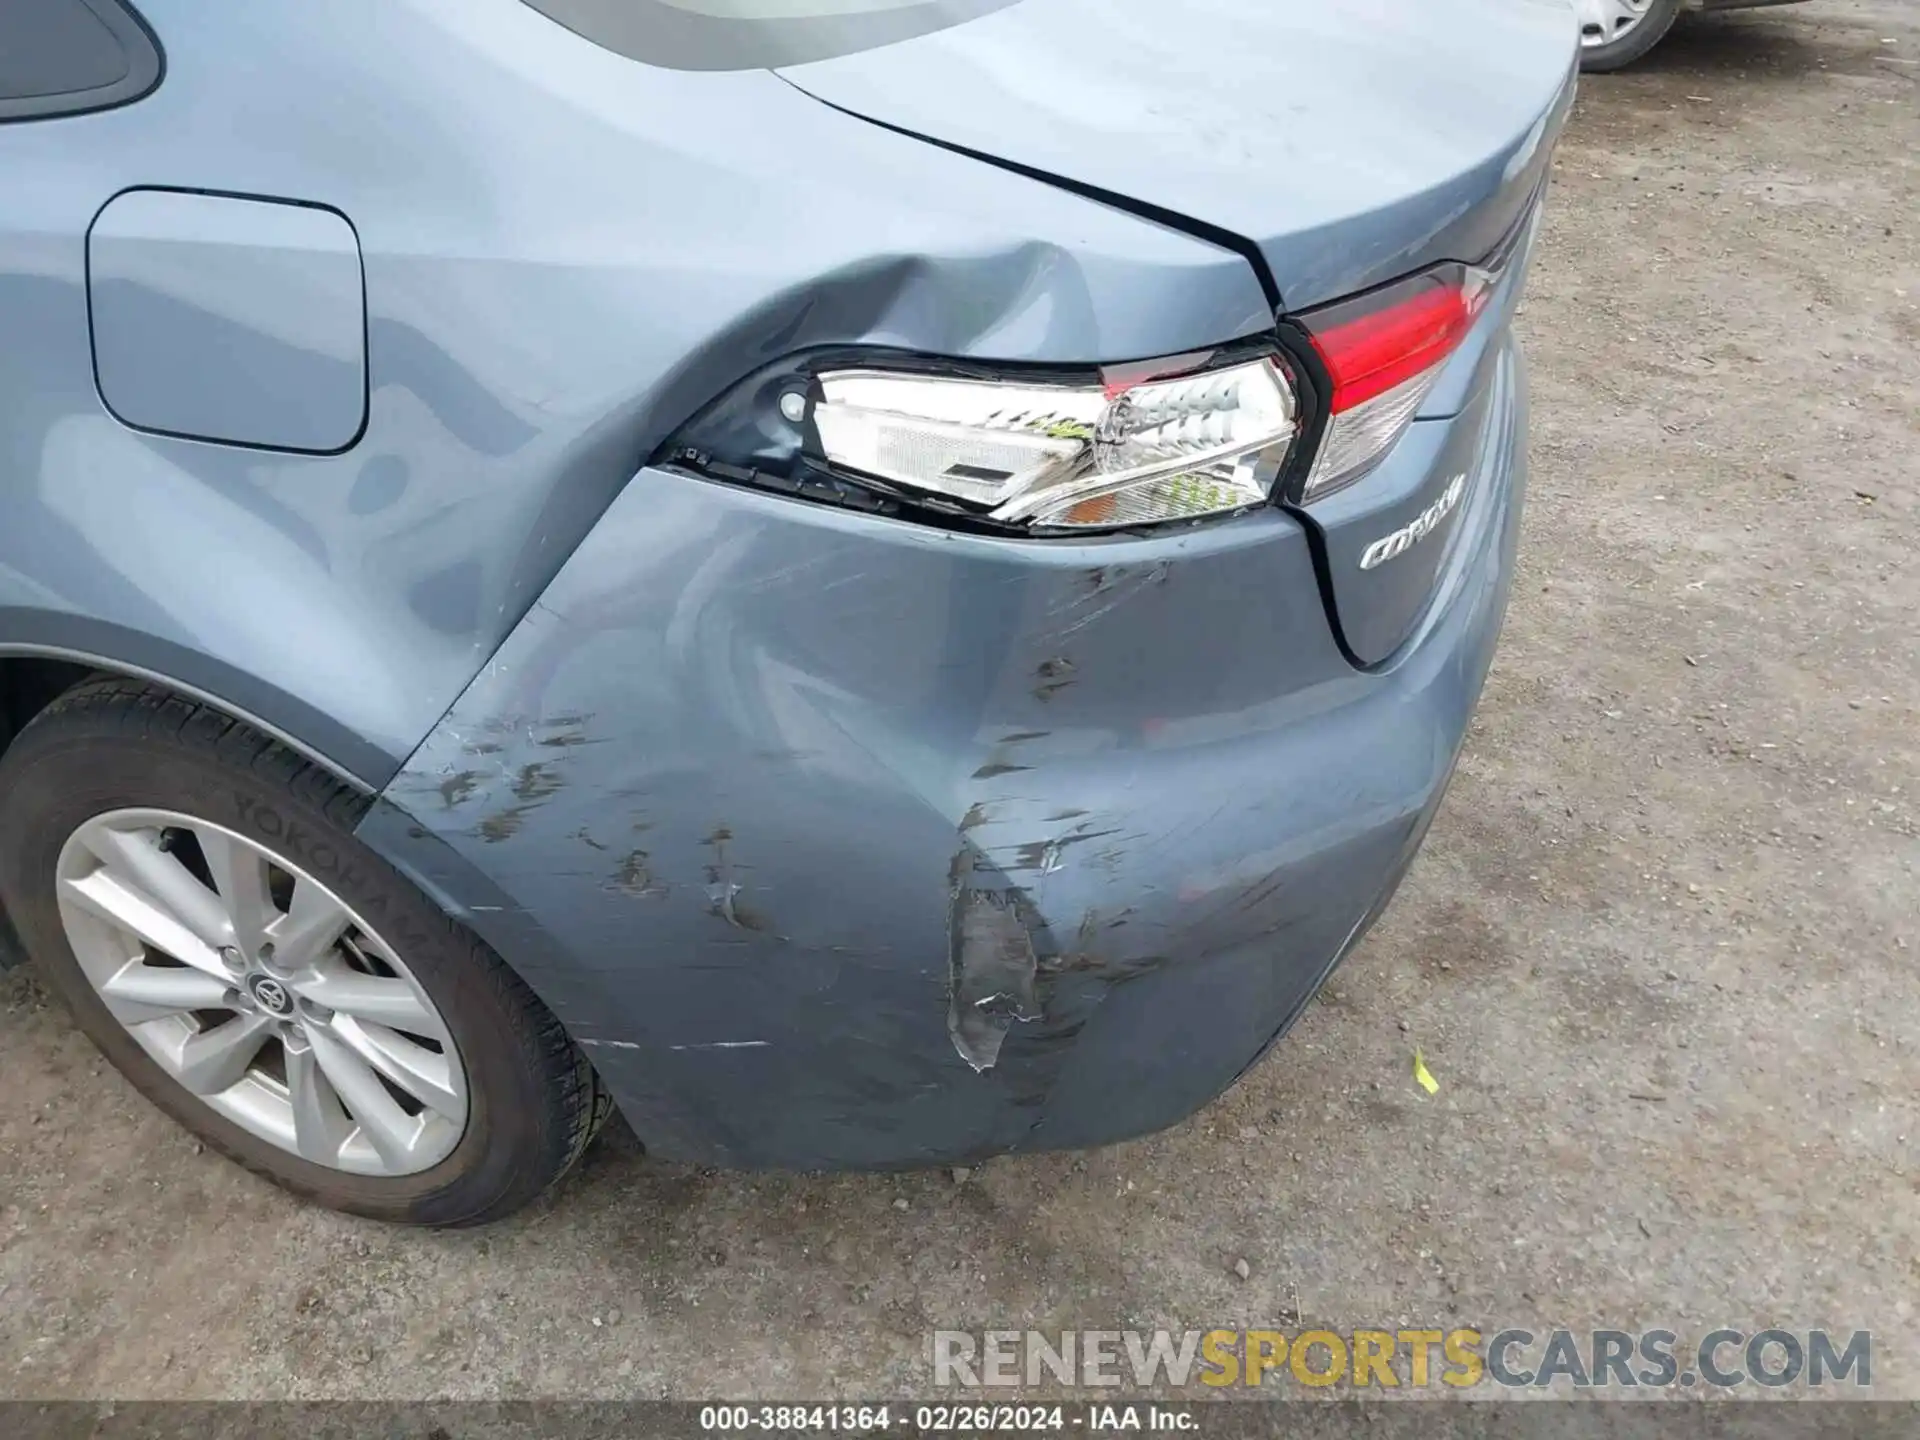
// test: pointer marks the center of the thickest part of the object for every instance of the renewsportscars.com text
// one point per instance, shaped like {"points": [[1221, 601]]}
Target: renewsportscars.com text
{"points": [[1361, 1359]]}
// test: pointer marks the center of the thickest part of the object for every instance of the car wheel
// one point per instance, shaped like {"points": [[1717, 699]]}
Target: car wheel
{"points": [[194, 893], [1615, 33]]}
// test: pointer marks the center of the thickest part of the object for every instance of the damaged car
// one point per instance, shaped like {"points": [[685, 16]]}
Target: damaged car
{"points": [[872, 586]]}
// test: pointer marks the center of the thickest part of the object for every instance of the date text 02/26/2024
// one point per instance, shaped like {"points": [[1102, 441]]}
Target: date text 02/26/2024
{"points": [[1101, 1418]]}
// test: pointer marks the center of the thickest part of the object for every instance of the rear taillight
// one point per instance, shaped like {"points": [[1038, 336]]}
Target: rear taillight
{"points": [[1382, 352], [1118, 447]]}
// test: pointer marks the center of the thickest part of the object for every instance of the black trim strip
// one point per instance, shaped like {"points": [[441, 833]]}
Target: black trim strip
{"points": [[1317, 386]]}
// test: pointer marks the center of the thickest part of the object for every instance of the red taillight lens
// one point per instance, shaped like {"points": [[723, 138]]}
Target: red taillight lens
{"points": [[1369, 353], [1383, 352]]}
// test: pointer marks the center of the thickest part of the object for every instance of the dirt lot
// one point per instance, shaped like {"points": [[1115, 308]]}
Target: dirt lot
{"points": [[1661, 950]]}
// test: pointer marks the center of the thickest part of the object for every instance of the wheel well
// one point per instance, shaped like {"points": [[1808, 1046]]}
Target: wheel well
{"points": [[30, 683]]}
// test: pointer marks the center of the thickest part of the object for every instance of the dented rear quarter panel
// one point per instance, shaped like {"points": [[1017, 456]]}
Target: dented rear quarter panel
{"points": [[565, 253], [839, 841]]}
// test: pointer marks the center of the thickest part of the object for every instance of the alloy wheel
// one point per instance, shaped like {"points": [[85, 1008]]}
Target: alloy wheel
{"points": [[259, 990], [1604, 21]]}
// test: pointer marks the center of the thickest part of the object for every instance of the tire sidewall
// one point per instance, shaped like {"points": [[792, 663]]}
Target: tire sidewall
{"points": [[48, 789], [1618, 54]]}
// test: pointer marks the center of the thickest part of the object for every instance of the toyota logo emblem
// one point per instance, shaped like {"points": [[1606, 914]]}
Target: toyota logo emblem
{"points": [[271, 994]]}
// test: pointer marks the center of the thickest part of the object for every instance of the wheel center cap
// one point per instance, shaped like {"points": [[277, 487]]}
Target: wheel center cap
{"points": [[271, 995]]}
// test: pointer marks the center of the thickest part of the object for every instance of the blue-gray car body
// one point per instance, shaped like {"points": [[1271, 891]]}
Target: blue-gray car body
{"points": [[342, 352]]}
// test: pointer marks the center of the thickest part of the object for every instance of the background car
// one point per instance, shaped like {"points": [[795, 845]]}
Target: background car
{"points": [[1615, 33]]}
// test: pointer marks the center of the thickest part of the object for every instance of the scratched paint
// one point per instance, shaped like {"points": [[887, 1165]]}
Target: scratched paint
{"points": [[634, 876], [993, 958], [456, 788], [993, 975], [726, 893], [802, 747], [998, 767]]}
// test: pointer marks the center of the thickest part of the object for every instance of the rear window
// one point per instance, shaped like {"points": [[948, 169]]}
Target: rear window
{"points": [[754, 34], [66, 57]]}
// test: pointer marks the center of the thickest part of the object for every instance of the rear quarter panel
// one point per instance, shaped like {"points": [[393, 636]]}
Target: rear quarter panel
{"points": [[565, 254]]}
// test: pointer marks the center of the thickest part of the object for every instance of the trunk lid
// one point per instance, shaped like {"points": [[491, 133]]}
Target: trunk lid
{"points": [[1337, 144]]}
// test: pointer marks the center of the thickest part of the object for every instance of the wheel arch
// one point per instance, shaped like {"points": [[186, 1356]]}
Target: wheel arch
{"points": [[35, 670], [34, 673]]}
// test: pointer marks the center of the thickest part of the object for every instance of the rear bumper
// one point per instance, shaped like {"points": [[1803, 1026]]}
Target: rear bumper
{"points": [[840, 842]]}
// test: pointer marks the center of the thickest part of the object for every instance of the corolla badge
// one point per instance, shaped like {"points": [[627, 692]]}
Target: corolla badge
{"points": [[1416, 529]]}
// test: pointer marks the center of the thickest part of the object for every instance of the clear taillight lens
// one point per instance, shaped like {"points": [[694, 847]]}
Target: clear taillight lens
{"points": [[1383, 352], [1139, 444], [1125, 452]]}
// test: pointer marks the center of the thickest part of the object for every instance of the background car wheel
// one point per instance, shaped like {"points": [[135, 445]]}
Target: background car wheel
{"points": [[194, 893], [1615, 33]]}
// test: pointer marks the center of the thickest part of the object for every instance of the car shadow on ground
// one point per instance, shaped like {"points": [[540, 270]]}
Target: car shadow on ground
{"points": [[1764, 44]]}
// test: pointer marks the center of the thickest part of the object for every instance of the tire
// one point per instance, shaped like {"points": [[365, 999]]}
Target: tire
{"points": [[1620, 53], [531, 1101]]}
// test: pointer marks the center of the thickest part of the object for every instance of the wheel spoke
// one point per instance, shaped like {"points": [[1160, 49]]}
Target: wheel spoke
{"points": [[136, 858], [121, 903], [217, 1059], [424, 1074], [389, 1129], [240, 874], [139, 992], [320, 1122], [313, 924], [376, 999], [1611, 17]]}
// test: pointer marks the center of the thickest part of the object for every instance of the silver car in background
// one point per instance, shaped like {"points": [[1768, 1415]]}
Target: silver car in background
{"points": [[1615, 33]]}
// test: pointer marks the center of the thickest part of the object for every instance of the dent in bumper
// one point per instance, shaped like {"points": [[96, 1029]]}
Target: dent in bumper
{"points": [[842, 842]]}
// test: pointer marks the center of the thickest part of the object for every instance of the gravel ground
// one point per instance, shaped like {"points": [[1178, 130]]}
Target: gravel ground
{"points": [[1660, 951]]}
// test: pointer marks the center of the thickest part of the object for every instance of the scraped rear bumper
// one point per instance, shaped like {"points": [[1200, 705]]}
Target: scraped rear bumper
{"points": [[842, 842]]}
